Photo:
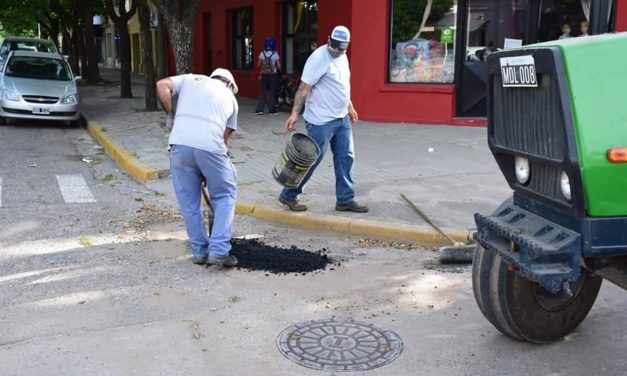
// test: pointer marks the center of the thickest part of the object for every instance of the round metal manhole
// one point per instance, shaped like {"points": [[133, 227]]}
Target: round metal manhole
{"points": [[339, 345]]}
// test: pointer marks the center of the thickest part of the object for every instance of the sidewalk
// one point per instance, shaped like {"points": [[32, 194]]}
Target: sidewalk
{"points": [[446, 171]]}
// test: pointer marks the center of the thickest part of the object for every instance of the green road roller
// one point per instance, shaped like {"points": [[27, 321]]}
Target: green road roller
{"points": [[557, 127]]}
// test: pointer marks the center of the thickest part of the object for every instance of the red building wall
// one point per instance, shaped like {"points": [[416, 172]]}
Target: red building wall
{"points": [[621, 15], [266, 16], [373, 97], [266, 22]]}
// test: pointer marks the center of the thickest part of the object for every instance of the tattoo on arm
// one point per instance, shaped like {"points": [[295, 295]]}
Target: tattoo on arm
{"points": [[300, 97]]}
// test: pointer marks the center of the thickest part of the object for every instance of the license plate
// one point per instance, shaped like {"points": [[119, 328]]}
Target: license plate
{"points": [[41, 111], [519, 71]]}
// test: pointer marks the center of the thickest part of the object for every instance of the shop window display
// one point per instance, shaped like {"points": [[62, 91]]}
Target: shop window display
{"points": [[422, 41], [562, 19]]}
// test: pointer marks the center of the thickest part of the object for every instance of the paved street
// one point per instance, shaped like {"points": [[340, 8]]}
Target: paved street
{"points": [[133, 304], [114, 293]]}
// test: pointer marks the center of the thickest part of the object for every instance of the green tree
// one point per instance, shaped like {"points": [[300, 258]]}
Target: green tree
{"points": [[22, 17], [72, 18], [407, 16]]}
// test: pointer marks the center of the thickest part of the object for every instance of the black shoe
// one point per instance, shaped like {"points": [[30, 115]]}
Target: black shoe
{"points": [[258, 112], [294, 205], [228, 261], [199, 260], [352, 206]]}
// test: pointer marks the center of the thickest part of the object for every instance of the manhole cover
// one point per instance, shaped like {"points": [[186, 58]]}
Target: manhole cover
{"points": [[339, 345]]}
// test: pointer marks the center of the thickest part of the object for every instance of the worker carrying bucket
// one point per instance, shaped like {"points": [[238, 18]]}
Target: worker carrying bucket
{"points": [[301, 152], [329, 116]]}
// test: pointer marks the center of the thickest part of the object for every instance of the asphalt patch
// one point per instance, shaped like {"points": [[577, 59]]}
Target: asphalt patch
{"points": [[254, 255]]}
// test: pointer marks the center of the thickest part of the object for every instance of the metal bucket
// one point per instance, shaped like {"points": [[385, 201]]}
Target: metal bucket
{"points": [[301, 152]]}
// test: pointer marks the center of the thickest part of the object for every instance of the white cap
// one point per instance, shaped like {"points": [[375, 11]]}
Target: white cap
{"points": [[340, 37], [221, 72]]}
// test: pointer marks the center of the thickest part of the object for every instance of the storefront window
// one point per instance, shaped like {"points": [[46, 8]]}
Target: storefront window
{"points": [[422, 41], [560, 19], [242, 40], [495, 25]]}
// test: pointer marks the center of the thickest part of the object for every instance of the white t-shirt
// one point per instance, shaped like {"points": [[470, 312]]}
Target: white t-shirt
{"points": [[272, 55], [205, 108], [330, 82]]}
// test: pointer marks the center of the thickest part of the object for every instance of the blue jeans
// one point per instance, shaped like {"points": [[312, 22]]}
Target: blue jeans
{"points": [[267, 88], [339, 134], [187, 166]]}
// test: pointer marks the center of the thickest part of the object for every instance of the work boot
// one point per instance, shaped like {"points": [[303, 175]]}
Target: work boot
{"points": [[351, 206], [199, 260], [294, 205], [228, 261]]}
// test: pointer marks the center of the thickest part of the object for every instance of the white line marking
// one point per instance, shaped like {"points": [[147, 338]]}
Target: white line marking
{"points": [[74, 189]]}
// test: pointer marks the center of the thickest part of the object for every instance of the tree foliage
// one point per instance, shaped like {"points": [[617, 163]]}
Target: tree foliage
{"points": [[21, 17], [408, 14], [70, 18]]}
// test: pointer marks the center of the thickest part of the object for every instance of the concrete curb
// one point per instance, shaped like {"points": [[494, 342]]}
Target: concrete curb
{"points": [[359, 227], [307, 220], [121, 156]]}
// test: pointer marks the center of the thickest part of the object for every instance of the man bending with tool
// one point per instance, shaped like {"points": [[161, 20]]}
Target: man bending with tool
{"points": [[205, 119]]}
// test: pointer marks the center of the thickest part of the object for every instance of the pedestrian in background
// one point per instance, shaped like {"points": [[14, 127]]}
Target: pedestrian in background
{"points": [[205, 119], [329, 112], [269, 67]]}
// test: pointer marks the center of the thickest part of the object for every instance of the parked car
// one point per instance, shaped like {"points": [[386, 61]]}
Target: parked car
{"points": [[38, 85], [25, 44]]}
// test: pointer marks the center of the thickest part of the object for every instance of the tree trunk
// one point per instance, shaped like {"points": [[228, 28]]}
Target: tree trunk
{"points": [[54, 31], [125, 59], [143, 12], [181, 36], [121, 21], [76, 52], [180, 17], [91, 71], [79, 40]]}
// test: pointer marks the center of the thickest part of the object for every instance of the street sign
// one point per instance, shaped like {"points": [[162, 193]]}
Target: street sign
{"points": [[446, 36]]}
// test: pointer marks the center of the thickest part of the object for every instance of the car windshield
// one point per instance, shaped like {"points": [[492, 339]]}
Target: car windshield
{"points": [[38, 68], [34, 46]]}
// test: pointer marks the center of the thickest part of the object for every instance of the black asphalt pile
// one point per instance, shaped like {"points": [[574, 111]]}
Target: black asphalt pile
{"points": [[254, 255]]}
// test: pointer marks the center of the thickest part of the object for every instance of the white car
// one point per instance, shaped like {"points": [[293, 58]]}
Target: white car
{"points": [[25, 44], [38, 85]]}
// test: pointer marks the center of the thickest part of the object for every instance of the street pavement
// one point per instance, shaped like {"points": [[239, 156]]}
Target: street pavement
{"points": [[447, 172]]}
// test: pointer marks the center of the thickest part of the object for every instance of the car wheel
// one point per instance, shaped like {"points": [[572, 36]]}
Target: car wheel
{"points": [[3, 120], [524, 310], [75, 123]]}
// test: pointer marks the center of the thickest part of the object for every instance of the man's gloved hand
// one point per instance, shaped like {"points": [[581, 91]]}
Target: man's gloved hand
{"points": [[169, 122]]}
